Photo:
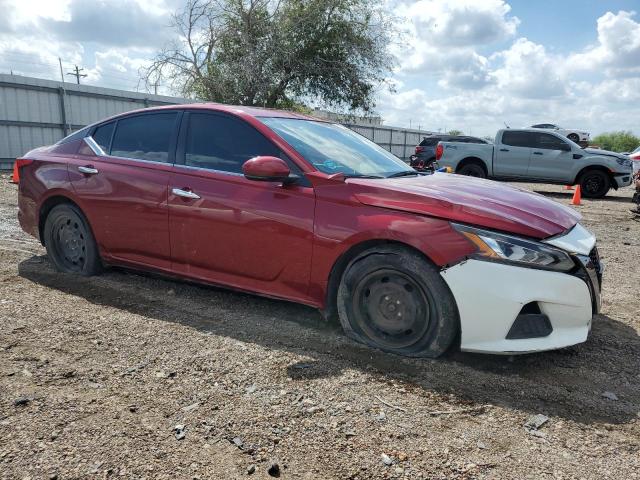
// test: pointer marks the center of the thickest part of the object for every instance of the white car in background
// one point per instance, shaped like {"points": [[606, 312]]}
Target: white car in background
{"points": [[573, 135]]}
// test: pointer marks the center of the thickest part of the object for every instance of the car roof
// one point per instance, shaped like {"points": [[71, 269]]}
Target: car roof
{"points": [[239, 110]]}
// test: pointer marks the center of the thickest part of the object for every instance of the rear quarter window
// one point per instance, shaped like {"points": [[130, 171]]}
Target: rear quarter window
{"points": [[102, 135]]}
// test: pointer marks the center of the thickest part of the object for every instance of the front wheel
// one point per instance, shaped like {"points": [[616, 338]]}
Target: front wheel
{"points": [[393, 299], [69, 242], [594, 183], [573, 137]]}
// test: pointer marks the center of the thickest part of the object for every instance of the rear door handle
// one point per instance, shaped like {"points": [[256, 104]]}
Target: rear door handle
{"points": [[181, 192], [504, 149], [537, 153], [89, 170]]}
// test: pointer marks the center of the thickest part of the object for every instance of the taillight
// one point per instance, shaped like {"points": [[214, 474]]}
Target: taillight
{"points": [[20, 162], [419, 149], [439, 151]]}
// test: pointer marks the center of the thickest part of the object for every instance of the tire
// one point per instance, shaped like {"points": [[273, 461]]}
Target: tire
{"points": [[393, 299], [69, 241], [573, 137], [594, 184], [472, 170]]}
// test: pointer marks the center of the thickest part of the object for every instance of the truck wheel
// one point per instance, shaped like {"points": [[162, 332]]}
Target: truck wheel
{"points": [[573, 137], [472, 170], [594, 183], [393, 299]]}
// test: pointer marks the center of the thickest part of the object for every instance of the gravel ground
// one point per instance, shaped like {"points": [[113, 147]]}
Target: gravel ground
{"points": [[135, 376]]}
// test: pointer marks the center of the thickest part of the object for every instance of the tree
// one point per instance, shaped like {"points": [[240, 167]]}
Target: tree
{"points": [[455, 132], [278, 53], [617, 141]]}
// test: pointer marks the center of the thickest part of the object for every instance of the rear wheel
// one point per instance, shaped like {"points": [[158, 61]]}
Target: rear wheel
{"points": [[69, 241], [472, 170], [594, 183], [393, 299]]}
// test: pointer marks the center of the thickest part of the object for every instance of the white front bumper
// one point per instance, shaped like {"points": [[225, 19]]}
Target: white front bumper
{"points": [[491, 295]]}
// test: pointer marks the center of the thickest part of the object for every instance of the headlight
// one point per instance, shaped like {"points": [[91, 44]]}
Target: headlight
{"points": [[623, 162], [499, 247]]}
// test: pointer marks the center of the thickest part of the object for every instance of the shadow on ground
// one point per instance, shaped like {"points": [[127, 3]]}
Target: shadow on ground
{"points": [[567, 383]]}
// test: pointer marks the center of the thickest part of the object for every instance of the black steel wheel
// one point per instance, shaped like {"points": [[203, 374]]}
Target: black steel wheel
{"points": [[69, 241], [594, 184], [573, 137], [472, 170], [393, 299]]}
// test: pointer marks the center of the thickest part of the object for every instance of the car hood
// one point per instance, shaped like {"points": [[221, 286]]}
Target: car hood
{"points": [[469, 200], [605, 153]]}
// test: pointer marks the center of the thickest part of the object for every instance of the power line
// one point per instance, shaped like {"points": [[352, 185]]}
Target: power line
{"points": [[76, 73]]}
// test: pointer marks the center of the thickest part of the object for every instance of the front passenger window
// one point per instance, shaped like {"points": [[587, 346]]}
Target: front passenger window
{"points": [[222, 143], [550, 142]]}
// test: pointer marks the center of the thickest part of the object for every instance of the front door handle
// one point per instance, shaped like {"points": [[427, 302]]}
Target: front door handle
{"points": [[537, 153], [181, 192], [504, 149], [89, 170]]}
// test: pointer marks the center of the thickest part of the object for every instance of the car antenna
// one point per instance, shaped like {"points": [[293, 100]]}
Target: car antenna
{"points": [[505, 124]]}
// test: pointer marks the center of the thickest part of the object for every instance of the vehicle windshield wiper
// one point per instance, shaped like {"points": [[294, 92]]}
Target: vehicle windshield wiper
{"points": [[404, 173], [360, 175]]}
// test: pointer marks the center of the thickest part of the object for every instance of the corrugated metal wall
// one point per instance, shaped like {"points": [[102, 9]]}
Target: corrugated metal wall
{"points": [[35, 112]]}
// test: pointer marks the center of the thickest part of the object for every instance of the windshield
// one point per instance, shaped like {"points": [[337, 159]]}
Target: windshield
{"points": [[333, 148]]}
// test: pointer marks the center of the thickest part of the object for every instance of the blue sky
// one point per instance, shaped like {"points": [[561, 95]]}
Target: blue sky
{"points": [[463, 64], [565, 25]]}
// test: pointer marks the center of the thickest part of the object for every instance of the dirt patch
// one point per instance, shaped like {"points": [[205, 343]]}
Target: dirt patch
{"points": [[141, 377]]}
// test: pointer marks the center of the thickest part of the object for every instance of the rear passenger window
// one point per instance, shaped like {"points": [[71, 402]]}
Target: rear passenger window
{"points": [[221, 143], [144, 137], [518, 139], [102, 135]]}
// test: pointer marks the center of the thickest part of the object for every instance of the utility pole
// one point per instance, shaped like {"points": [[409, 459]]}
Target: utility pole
{"points": [[76, 73], [61, 74]]}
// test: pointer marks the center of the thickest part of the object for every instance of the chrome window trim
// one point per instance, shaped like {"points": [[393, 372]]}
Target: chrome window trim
{"points": [[139, 160], [190, 167], [93, 145]]}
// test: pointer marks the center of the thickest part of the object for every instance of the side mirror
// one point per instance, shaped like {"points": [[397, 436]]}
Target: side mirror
{"points": [[266, 169]]}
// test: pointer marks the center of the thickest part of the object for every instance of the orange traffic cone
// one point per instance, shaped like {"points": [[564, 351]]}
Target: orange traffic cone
{"points": [[576, 196], [15, 178], [568, 187]]}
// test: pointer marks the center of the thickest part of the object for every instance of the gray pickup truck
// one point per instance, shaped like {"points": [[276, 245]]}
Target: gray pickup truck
{"points": [[541, 156]]}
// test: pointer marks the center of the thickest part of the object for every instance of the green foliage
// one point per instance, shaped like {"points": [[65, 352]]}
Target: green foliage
{"points": [[455, 132], [617, 141], [278, 53]]}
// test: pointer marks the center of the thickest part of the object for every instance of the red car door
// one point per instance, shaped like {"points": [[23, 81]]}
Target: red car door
{"points": [[226, 229], [124, 193]]}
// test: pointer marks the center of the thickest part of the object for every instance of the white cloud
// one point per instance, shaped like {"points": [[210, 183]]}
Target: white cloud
{"points": [[618, 47], [460, 23], [529, 71], [442, 39]]}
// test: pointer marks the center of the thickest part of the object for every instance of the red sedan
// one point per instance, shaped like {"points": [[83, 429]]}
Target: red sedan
{"points": [[290, 207]]}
